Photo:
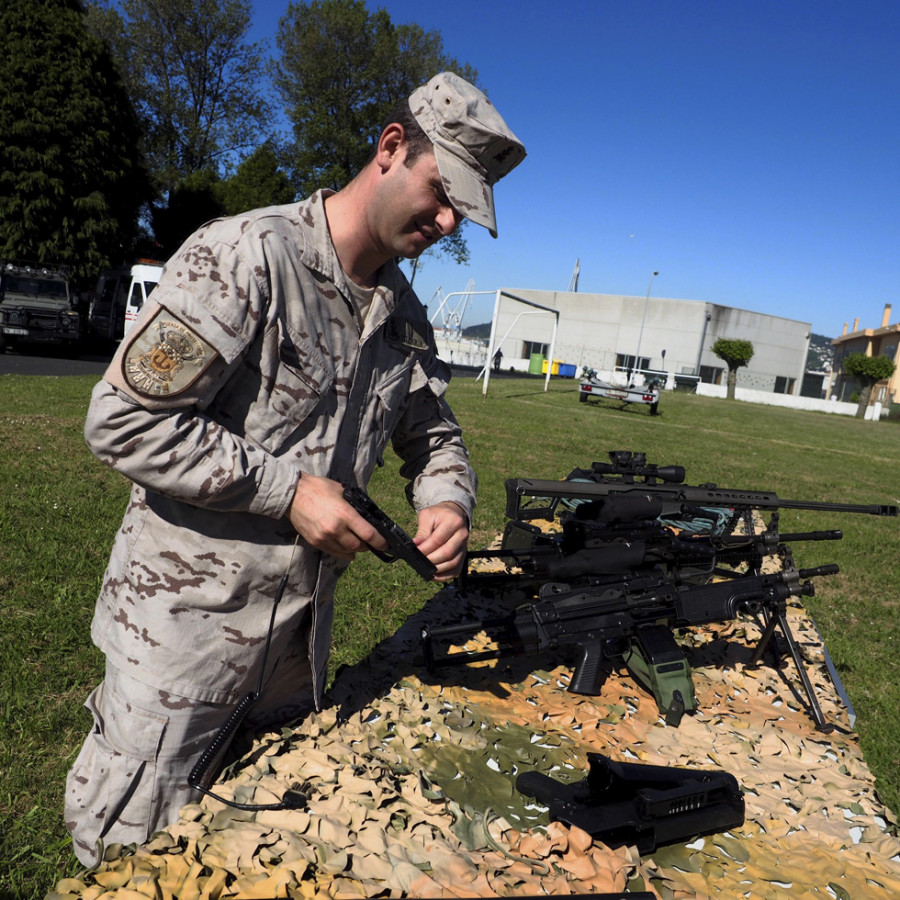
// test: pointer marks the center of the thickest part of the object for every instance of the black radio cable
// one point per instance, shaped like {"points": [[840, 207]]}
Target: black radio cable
{"points": [[205, 771]]}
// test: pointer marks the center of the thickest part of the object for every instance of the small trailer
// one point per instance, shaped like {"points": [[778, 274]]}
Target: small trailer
{"points": [[592, 387]]}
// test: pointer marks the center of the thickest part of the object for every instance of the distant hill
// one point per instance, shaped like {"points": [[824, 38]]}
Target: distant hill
{"points": [[477, 331], [821, 354]]}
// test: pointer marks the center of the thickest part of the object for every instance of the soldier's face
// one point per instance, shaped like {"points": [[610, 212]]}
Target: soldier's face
{"points": [[416, 213]]}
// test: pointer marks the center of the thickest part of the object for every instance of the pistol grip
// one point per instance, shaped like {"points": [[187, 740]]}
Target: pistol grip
{"points": [[590, 673]]}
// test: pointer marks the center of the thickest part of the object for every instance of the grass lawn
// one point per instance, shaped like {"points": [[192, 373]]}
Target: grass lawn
{"points": [[59, 510]]}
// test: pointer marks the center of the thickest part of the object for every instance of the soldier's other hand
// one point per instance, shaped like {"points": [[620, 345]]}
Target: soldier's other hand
{"points": [[443, 535]]}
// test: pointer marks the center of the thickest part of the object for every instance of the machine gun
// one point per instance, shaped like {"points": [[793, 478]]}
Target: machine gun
{"points": [[623, 571], [640, 805], [629, 619], [587, 548], [628, 515]]}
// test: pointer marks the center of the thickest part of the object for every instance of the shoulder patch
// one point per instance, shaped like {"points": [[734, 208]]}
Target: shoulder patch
{"points": [[165, 358]]}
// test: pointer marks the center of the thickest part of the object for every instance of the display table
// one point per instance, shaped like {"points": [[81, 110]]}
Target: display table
{"points": [[411, 784]]}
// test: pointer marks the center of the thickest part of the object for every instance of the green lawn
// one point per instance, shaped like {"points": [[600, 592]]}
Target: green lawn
{"points": [[59, 510]]}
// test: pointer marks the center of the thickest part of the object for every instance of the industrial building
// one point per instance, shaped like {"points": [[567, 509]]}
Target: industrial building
{"points": [[619, 335]]}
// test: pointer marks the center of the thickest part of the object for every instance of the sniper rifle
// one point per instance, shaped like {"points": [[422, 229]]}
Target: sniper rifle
{"points": [[631, 475]]}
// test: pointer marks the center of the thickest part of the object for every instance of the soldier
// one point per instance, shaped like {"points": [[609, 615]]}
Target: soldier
{"points": [[282, 350]]}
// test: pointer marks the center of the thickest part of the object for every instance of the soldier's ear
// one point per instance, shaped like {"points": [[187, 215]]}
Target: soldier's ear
{"points": [[391, 146]]}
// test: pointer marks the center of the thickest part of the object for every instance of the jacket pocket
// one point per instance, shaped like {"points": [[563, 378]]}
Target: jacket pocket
{"points": [[283, 386], [392, 395]]}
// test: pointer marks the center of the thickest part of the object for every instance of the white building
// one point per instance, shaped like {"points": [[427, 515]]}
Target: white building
{"points": [[617, 334]]}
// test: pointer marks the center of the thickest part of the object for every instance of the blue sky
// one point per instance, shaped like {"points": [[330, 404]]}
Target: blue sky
{"points": [[748, 150]]}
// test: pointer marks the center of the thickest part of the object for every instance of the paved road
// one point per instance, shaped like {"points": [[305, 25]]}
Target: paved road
{"points": [[39, 360]]}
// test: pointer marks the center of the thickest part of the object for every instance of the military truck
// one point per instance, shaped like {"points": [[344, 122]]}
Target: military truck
{"points": [[37, 304]]}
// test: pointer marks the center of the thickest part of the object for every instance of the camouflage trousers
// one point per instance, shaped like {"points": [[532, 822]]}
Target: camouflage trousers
{"points": [[130, 778]]}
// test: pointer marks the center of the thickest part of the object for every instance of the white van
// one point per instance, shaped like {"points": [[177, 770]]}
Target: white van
{"points": [[118, 297]]}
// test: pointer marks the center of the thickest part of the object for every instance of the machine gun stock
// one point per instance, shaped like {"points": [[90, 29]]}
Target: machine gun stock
{"points": [[640, 805]]}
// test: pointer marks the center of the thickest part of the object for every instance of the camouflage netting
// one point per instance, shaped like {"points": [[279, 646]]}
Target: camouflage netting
{"points": [[410, 778]]}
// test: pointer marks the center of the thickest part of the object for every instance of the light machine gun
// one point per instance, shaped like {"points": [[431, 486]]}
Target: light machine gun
{"points": [[590, 544], [619, 576], [630, 621]]}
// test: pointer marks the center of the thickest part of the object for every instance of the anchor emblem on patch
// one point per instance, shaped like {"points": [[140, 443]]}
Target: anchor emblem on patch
{"points": [[165, 358]]}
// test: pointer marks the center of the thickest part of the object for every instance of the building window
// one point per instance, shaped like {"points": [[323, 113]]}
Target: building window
{"points": [[625, 361], [530, 348], [783, 385], [711, 374]]}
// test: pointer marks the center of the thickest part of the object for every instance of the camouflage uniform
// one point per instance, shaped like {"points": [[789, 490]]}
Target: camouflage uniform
{"points": [[249, 366]]}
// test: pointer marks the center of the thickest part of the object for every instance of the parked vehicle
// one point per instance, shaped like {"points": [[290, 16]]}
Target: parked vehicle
{"points": [[37, 304], [118, 297], [592, 387]]}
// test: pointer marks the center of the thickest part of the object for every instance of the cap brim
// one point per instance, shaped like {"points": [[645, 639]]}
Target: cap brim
{"points": [[471, 197]]}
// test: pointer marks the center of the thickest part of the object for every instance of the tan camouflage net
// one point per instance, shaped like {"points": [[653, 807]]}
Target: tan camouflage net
{"points": [[411, 784]]}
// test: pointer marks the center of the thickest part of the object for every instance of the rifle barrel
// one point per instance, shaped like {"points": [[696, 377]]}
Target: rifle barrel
{"points": [[699, 495], [833, 535], [830, 569], [872, 509]]}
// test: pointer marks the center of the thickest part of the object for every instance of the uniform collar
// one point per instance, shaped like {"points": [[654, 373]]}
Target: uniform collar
{"points": [[319, 255]]}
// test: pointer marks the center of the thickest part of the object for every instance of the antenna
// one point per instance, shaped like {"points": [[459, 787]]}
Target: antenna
{"points": [[452, 317], [573, 281]]}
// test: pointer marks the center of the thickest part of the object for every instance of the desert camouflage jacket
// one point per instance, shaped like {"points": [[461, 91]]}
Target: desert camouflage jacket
{"points": [[249, 367]]}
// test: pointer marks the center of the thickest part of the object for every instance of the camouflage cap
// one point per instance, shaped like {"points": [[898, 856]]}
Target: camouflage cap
{"points": [[473, 146]]}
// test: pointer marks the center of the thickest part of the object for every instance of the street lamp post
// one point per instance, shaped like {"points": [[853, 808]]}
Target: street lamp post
{"points": [[637, 355]]}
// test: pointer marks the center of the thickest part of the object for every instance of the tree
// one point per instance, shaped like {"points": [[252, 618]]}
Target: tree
{"points": [[340, 71], [868, 370], [193, 201], [735, 353], [257, 182], [203, 195], [196, 83], [71, 177]]}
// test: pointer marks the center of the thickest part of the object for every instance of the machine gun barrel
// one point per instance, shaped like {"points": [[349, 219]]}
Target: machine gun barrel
{"points": [[833, 534], [819, 571]]}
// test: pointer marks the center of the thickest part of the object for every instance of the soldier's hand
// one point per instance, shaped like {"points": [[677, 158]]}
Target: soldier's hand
{"points": [[325, 520]]}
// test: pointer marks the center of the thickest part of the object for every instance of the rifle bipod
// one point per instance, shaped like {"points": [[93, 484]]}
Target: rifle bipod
{"points": [[779, 620]]}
